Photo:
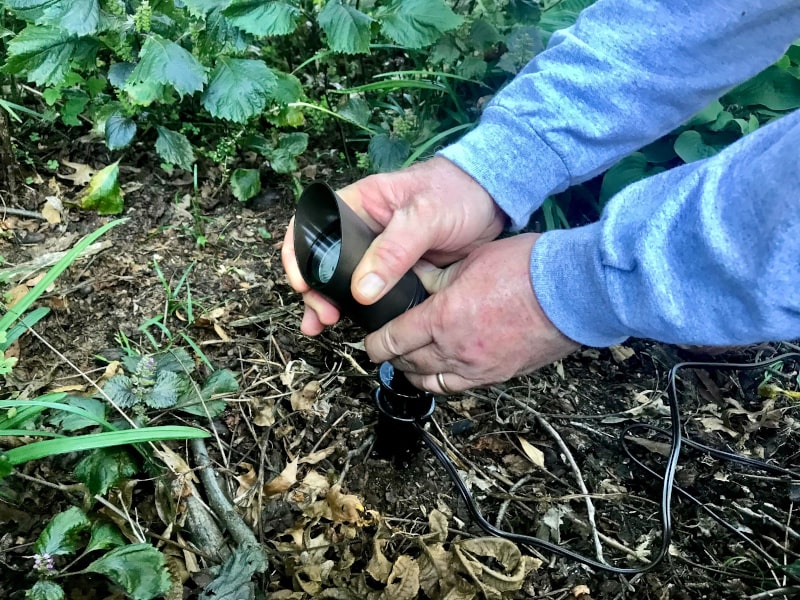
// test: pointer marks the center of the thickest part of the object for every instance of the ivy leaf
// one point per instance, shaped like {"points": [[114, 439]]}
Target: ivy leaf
{"points": [[46, 54], [45, 590], [417, 23], [103, 192], [120, 389], [165, 62], [62, 534], [120, 131], [174, 148], [690, 146], [78, 17], [239, 89], [245, 183], [165, 391], [387, 153], [139, 569], [347, 28], [104, 468], [263, 18], [104, 536]]}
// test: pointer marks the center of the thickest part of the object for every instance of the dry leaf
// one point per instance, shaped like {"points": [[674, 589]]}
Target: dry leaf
{"points": [[715, 424], [344, 507], [379, 566], [621, 353], [318, 456], [581, 592], [314, 485], [175, 462], [82, 176], [403, 582], [535, 455], [281, 483], [76, 387], [463, 407], [661, 448], [264, 413], [15, 294], [304, 399], [52, 209], [246, 480]]}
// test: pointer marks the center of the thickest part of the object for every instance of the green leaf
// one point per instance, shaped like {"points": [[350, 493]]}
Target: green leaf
{"points": [[104, 468], [222, 381], [5, 466], [74, 105], [387, 153], [347, 28], [234, 579], [293, 143], [162, 61], [62, 534], [104, 536], [221, 36], [67, 421], [174, 148], [356, 110], [708, 115], [46, 54], [417, 23], [690, 146], [245, 183], [25, 323], [239, 89], [139, 569], [103, 192], [177, 360], [120, 131], [523, 43], [165, 391], [45, 590], [120, 389], [774, 88], [287, 89], [200, 8], [263, 18], [78, 17], [630, 169]]}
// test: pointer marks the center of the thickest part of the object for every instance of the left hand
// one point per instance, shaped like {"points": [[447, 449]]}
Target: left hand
{"points": [[481, 325]]}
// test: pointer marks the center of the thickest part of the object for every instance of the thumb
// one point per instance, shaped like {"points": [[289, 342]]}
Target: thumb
{"points": [[432, 277]]}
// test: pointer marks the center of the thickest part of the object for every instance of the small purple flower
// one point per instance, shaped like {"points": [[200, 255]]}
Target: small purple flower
{"points": [[43, 562], [147, 367]]}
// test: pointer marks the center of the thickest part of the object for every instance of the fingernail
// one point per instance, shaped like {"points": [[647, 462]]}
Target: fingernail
{"points": [[371, 285]]}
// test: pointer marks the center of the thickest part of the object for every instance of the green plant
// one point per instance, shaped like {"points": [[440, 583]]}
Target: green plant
{"points": [[138, 569]]}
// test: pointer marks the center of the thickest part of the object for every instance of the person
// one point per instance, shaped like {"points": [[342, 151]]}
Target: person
{"points": [[707, 253]]}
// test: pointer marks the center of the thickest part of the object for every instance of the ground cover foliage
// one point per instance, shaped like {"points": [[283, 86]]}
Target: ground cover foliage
{"points": [[200, 121]]}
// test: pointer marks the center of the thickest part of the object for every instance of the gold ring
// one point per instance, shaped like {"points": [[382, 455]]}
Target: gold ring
{"points": [[440, 380]]}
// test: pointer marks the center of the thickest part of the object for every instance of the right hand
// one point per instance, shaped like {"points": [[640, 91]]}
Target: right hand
{"points": [[432, 210]]}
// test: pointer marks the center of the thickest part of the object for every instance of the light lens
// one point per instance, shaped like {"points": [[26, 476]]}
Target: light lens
{"points": [[325, 252]]}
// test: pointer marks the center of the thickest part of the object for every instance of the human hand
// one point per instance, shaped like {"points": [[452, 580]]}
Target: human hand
{"points": [[433, 209], [481, 325]]}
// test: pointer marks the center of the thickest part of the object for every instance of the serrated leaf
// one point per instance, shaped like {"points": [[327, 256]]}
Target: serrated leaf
{"points": [[144, 93], [287, 88], [119, 72], [177, 360], [219, 382], [200, 8], [222, 381], [174, 148], [221, 36], [522, 43], [387, 153], [62, 534], [139, 569], [46, 54], [234, 579], [417, 23], [66, 421], [164, 62], [78, 17], [263, 18], [239, 89], [165, 391], [120, 131], [103, 193], [293, 143], [347, 28], [245, 184], [45, 590], [120, 389], [104, 468], [356, 110], [104, 536]]}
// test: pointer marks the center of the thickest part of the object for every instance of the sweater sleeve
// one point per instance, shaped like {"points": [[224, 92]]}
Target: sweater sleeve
{"points": [[706, 253], [626, 73]]}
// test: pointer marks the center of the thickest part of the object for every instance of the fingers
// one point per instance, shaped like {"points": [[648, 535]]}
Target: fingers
{"points": [[319, 313], [391, 255], [444, 384], [402, 335], [289, 261]]}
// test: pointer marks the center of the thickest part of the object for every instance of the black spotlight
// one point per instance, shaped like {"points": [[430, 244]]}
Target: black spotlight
{"points": [[329, 241]]}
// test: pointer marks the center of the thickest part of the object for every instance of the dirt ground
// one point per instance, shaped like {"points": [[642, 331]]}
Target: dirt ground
{"points": [[525, 448]]}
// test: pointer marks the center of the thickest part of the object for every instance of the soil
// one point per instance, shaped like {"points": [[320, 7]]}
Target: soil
{"points": [[510, 442]]}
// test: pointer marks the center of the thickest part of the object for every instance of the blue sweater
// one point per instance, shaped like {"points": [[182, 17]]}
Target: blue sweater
{"points": [[706, 253]]}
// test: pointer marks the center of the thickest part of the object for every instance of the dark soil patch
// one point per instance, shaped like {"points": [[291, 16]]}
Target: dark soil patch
{"points": [[251, 326]]}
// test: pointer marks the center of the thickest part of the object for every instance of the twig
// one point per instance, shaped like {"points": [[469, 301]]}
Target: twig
{"points": [[353, 453], [219, 503], [501, 514], [136, 529], [769, 519], [786, 592], [21, 212]]}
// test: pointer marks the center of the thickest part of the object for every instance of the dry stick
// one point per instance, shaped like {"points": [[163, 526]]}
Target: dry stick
{"points": [[786, 592], [788, 531], [590, 513], [21, 212], [501, 514], [218, 502], [353, 453]]}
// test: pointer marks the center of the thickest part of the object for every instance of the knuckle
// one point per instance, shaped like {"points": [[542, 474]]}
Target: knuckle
{"points": [[390, 342], [392, 254]]}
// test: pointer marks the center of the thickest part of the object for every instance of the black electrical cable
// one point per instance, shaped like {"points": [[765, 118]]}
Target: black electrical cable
{"points": [[676, 440]]}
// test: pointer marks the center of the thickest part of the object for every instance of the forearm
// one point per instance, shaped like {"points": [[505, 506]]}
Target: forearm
{"points": [[626, 73], [703, 254]]}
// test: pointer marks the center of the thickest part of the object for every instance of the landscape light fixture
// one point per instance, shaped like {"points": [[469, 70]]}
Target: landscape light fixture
{"points": [[329, 241]]}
